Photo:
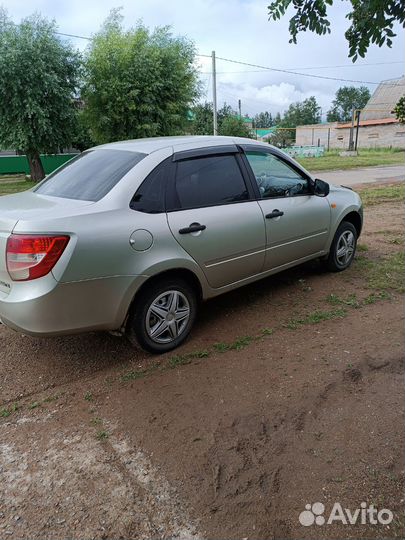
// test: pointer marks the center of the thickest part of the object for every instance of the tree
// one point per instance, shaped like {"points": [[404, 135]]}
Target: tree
{"points": [[82, 139], [38, 81], [202, 121], [234, 126], [371, 21], [138, 83], [229, 122], [346, 99], [399, 110], [301, 113], [263, 120], [282, 137]]}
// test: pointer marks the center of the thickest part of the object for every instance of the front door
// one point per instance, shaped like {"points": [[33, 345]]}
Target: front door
{"points": [[214, 217], [297, 222]]}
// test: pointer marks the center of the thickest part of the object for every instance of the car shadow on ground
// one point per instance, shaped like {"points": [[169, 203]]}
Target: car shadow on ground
{"points": [[30, 364]]}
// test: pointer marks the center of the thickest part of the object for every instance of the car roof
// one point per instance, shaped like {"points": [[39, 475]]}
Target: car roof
{"points": [[152, 144]]}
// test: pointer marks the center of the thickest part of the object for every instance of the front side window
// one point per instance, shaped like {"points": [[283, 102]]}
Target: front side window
{"points": [[275, 178], [208, 181], [91, 175]]}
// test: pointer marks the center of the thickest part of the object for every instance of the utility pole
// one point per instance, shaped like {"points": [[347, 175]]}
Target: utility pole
{"points": [[351, 142], [214, 93], [240, 108]]}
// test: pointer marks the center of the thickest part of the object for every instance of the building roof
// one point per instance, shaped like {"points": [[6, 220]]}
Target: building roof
{"points": [[262, 132], [382, 102], [376, 122]]}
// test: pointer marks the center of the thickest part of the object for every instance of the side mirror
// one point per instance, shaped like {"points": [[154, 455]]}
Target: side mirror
{"points": [[321, 188]]}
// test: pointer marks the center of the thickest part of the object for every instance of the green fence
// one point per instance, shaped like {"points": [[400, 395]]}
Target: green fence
{"points": [[19, 164]]}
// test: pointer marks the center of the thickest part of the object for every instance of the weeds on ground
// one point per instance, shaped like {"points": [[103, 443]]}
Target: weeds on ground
{"points": [[388, 274], [102, 435], [237, 345], [315, 317], [377, 195], [6, 411], [351, 300], [34, 405]]}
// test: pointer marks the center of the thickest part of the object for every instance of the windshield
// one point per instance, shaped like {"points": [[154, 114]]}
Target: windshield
{"points": [[91, 175]]}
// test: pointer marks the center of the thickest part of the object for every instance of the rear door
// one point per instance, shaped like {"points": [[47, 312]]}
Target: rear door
{"points": [[297, 221], [214, 216]]}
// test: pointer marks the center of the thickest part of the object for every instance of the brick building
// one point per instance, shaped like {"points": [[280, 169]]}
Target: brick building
{"points": [[378, 126]]}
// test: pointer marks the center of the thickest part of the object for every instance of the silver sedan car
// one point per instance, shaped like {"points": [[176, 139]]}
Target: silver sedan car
{"points": [[131, 236]]}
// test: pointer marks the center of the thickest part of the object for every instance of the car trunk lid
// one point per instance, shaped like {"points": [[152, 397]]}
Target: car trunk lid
{"points": [[28, 206]]}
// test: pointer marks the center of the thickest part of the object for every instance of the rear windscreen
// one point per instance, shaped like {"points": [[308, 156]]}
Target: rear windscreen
{"points": [[91, 175]]}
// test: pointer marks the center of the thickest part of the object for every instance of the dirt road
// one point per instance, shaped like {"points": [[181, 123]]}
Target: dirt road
{"points": [[289, 392], [365, 175]]}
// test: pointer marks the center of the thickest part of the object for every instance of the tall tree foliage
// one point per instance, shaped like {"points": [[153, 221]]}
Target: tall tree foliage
{"points": [[399, 110], [301, 113], [263, 120], [234, 126], [371, 21], [229, 122], [346, 99], [38, 80], [138, 83]]}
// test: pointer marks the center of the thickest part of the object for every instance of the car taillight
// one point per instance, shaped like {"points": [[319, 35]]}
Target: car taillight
{"points": [[33, 256]]}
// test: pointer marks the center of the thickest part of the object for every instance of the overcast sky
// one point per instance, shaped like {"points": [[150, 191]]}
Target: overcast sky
{"points": [[239, 30]]}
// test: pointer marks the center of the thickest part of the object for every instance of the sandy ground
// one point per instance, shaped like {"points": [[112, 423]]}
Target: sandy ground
{"points": [[98, 440]]}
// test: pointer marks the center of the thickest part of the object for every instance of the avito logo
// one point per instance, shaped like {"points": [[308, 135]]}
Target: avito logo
{"points": [[366, 514]]}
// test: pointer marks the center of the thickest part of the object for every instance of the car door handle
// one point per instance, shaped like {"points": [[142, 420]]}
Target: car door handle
{"points": [[275, 213], [194, 227]]}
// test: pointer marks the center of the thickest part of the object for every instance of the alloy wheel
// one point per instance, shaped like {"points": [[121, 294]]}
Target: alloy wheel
{"points": [[167, 316]]}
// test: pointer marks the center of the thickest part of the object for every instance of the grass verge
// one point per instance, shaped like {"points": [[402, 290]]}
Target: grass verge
{"points": [[8, 188], [366, 158], [381, 194]]}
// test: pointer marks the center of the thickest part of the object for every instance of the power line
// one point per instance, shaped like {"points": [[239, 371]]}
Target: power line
{"points": [[74, 36], [264, 68], [291, 72], [313, 67]]}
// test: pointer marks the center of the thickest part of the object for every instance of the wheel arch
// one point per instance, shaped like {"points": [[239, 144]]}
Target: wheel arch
{"points": [[355, 219], [180, 273]]}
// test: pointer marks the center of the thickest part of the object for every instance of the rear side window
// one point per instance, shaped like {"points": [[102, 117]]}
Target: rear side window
{"points": [[208, 181], [91, 175], [150, 196]]}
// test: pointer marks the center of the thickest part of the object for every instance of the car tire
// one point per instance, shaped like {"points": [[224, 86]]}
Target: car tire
{"points": [[343, 248], [162, 315]]}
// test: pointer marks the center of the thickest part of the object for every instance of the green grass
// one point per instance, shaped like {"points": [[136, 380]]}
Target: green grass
{"points": [[366, 158], [102, 435], [14, 184], [267, 331], [375, 297], [316, 317], [183, 359], [377, 195], [5, 412], [133, 375], [388, 274], [237, 345], [34, 405], [336, 300]]}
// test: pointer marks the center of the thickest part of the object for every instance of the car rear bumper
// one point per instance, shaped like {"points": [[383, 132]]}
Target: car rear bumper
{"points": [[46, 307]]}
